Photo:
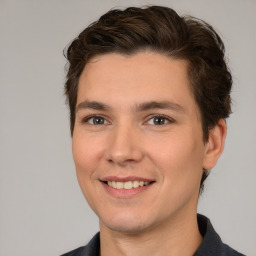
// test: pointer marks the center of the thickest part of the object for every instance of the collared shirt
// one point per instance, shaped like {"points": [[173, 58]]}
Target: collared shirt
{"points": [[211, 245]]}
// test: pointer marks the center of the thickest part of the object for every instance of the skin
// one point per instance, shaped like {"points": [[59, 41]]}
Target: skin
{"points": [[128, 141]]}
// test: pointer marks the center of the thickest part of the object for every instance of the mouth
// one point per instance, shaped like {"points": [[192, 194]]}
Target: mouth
{"points": [[126, 187], [128, 184]]}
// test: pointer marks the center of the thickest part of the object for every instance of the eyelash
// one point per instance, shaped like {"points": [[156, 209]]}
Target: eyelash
{"points": [[166, 118], [87, 119]]}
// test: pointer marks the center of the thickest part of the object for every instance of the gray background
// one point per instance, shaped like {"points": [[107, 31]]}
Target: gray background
{"points": [[42, 211]]}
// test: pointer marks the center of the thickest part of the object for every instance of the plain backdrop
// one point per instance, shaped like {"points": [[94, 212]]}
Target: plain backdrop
{"points": [[42, 211]]}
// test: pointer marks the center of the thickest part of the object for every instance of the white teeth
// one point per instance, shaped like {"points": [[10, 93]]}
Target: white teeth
{"points": [[136, 184], [127, 184], [119, 185], [113, 184]]}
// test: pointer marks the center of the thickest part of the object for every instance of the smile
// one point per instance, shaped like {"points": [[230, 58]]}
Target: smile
{"points": [[126, 187], [127, 184]]}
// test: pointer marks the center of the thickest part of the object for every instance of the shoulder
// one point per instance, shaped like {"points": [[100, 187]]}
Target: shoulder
{"points": [[91, 249], [231, 252], [212, 243], [76, 252]]}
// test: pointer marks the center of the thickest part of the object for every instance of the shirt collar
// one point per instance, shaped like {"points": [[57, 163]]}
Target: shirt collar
{"points": [[211, 245]]}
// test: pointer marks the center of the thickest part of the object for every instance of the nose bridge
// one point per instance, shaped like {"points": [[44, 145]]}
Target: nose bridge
{"points": [[124, 145]]}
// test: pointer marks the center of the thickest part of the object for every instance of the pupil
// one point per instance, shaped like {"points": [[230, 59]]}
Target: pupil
{"points": [[98, 120], [159, 121]]}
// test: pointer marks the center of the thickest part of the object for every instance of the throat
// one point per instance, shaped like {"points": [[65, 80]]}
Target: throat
{"points": [[155, 242]]}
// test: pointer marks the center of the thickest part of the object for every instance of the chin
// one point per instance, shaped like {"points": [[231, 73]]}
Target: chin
{"points": [[126, 228], [125, 224]]}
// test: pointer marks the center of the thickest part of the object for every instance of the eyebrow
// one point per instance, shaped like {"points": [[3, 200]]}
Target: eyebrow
{"points": [[92, 105], [145, 106], [158, 105]]}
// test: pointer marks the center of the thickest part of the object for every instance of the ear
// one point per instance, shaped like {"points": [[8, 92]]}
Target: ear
{"points": [[215, 144]]}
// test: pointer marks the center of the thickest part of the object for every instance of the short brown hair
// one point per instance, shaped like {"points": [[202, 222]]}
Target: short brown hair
{"points": [[162, 30]]}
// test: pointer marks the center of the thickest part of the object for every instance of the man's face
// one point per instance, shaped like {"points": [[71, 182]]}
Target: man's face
{"points": [[138, 128]]}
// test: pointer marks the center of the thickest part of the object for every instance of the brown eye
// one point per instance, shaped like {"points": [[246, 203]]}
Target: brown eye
{"points": [[96, 120], [159, 120]]}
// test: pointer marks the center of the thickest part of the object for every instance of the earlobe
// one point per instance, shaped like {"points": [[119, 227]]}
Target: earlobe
{"points": [[215, 144]]}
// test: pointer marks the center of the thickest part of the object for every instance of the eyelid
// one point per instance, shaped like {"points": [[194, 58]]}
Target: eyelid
{"points": [[87, 118], [168, 118]]}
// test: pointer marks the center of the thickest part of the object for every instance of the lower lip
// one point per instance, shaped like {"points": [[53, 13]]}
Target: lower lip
{"points": [[125, 193]]}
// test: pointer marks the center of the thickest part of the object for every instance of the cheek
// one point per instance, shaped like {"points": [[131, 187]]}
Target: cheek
{"points": [[85, 150], [86, 153], [179, 159]]}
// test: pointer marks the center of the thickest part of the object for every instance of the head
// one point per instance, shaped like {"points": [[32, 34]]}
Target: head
{"points": [[161, 30]]}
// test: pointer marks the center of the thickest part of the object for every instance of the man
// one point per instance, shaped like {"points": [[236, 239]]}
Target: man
{"points": [[149, 92]]}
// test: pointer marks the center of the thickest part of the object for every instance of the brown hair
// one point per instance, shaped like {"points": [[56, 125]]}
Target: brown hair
{"points": [[162, 30]]}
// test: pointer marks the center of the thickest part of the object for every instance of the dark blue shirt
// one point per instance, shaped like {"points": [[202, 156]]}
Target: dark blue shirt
{"points": [[211, 245]]}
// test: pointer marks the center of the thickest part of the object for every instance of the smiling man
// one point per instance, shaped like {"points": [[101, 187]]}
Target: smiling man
{"points": [[148, 92]]}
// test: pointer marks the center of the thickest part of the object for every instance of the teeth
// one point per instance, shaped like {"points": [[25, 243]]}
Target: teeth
{"points": [[113, 184], [119, 185], [127, 184], [136, 184]]}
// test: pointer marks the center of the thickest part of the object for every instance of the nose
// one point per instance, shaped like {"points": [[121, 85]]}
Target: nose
{"points": [[125, 145]]}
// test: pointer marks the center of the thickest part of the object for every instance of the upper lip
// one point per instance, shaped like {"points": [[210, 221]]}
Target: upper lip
{"points": [[125, 179]]}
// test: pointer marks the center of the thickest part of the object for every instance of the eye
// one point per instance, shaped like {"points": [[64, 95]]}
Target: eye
{"points": [[159, 120], [95, 120]]}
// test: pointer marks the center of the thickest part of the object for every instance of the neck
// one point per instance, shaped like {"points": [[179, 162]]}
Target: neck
{"points": [[156, 241]]}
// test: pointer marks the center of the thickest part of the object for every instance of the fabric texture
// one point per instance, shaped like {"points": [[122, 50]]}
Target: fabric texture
{"points": [[211, 245]]}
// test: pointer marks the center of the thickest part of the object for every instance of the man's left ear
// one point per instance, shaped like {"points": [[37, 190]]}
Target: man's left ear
{"points": [[215, 144]]}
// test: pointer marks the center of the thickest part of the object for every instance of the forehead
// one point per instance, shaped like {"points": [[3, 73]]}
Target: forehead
{"points": [[138, 64], [144, 76]]}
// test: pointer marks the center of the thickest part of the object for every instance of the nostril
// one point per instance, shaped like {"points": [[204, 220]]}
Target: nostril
{"points": [[121, 160]]}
